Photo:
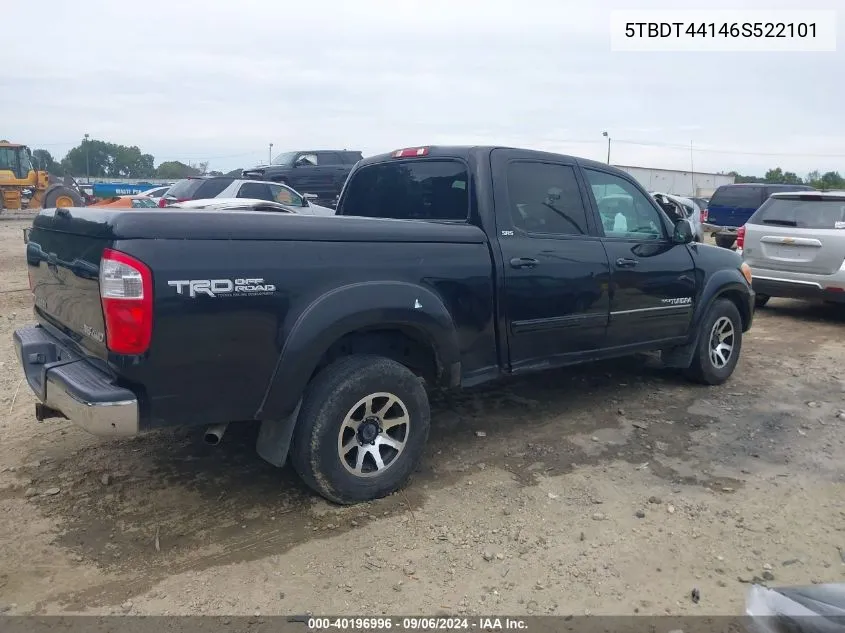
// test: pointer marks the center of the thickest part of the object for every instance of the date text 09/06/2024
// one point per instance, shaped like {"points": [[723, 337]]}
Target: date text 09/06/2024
{"points": [[416, 623]]}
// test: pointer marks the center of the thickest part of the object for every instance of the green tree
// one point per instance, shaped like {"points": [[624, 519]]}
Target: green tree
{"points": [[44, 160], [103, 159], [175, 170], [739, 178], [778, 176], [832, 180]]}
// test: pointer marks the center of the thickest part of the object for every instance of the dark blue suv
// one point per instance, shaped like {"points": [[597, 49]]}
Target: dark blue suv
{"points": [[731, 206]]}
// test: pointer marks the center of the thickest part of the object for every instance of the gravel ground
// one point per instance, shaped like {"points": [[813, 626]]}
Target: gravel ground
{"points": [[615, 488]]}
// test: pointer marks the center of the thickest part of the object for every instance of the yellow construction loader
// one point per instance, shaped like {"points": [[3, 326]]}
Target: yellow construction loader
{"points": [[22, 186]]}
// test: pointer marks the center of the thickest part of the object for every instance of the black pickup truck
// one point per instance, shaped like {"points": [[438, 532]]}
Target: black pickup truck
{"points": [[321, 173], [445, 267]]}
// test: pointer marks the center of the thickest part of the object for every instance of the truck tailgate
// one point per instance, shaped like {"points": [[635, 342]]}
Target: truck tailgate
{"points": [[63, 260]]}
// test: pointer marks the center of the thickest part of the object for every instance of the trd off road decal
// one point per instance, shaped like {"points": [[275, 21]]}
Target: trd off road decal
{"points": [[253, 287]]}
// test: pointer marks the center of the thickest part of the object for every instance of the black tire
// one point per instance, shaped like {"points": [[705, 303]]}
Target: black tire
{"points": [[328, 400], [761, 300], [725, 240], [62, 192], [703, 369]]}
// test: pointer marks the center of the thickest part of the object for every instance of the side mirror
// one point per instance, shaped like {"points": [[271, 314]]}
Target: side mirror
{"points": [[683, 233], [308, 198]]}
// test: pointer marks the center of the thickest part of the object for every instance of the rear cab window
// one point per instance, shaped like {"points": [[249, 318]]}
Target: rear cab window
{"points": [[417, 189], [803, 212]]}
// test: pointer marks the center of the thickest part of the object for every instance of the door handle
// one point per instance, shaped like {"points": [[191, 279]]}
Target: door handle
{"points": [[625, 262], [523, 262]]}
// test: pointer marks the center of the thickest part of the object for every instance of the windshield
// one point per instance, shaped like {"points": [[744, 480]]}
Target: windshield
{"points": [[285, 158]]}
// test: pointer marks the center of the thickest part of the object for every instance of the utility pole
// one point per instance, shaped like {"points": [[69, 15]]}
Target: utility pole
{"points": [[608, 146], [692, 170], [270, 155], [87, 163]]}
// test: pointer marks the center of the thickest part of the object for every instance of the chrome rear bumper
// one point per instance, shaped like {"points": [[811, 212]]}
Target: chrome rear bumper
{"points": [[69, 386]]}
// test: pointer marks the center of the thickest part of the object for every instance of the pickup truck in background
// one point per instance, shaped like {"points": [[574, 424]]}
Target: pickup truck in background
{"points": [[445, 267], [321, 173], [731, 206]]}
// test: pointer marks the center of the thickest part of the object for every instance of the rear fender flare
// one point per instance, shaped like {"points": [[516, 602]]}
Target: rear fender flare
{"points": [[348, 309]]}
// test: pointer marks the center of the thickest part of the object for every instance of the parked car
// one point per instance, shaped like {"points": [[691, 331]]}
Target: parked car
{"points": [[274, 192], [195, 188], [683, 208], [445, 267], [732, 205], [243, 204], [701, 202], [126, 202], [795, 246], [156, 193], [321, 172]]}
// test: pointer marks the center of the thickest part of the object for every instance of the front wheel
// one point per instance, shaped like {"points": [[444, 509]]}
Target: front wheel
{"points": [[62, 197], [719, 344], [361, 430]]}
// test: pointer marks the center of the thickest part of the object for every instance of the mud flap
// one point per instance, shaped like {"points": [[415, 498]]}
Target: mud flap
{"points": [[274, 438], [679, 357]]}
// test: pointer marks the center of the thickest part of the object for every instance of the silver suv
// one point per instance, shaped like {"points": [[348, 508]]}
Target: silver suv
{"points": [[795, 246]]}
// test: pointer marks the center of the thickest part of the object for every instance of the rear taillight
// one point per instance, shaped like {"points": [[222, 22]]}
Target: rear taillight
{"points": [[704, 215], [740, 236], [162, 203], [126, 291]]}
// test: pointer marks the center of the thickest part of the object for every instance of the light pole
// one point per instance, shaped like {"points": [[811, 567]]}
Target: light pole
{"points": [[608, 146], [87, 168], [270, 155]]}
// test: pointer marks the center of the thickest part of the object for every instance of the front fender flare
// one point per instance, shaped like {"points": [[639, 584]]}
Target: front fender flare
{"points": [[382, 304], [719, 284]]}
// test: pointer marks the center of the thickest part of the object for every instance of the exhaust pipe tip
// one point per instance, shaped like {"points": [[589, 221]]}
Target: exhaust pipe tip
{"points": [[214, 434]]}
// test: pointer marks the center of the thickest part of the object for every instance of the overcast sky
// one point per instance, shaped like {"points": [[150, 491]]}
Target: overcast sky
{"points": [[218, 80]]}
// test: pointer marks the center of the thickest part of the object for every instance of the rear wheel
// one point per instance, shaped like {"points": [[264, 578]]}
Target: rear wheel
{"points": [[62, 197], [761, 300], [361, 429], [719, 345]]}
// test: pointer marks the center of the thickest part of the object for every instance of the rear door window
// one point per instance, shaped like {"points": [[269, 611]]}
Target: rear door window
{"points": [[428, 189], [544, 198], [329, 158], [184, 189], [210, 188], [738, 197], [802, 213], [255, 190]]}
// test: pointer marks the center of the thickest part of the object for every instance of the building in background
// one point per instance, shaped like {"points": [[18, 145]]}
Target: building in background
{"points": [[680, 183]]}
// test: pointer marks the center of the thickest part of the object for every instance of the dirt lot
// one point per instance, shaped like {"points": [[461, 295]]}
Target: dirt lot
{"points": [[609, 489]]}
